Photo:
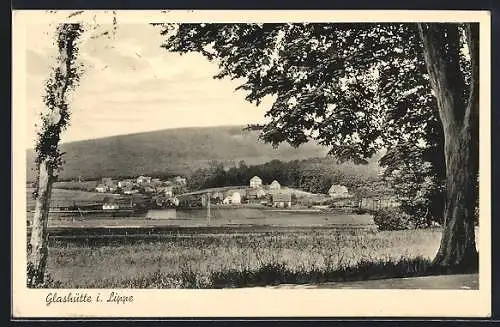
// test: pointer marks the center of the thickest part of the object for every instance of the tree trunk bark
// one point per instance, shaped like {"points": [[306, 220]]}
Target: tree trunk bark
{"points": [[37, 254], [458, 246], [459, 116], [48, 154]]}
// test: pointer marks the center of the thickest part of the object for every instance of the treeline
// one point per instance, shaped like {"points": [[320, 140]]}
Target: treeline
{"points": [[314, 175]]}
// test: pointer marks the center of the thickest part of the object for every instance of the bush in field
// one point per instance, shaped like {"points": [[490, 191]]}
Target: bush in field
{"points": [[391, 219]]}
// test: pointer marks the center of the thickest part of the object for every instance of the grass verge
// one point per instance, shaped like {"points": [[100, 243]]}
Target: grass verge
{"points": [[244, 260]]}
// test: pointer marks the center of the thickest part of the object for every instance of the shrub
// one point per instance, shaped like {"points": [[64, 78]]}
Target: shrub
{"points": [[391, 219], [361, 211]]}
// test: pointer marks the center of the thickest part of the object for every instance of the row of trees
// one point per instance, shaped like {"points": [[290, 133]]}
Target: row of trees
{"points": [[312, 175]]}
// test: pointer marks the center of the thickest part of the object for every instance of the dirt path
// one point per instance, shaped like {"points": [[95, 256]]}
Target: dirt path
{"points": [[462, 282]]}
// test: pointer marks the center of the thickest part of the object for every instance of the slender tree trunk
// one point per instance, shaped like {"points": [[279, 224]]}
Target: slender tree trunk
{"points": [[38, 251], [48, 155], [459, 116]]}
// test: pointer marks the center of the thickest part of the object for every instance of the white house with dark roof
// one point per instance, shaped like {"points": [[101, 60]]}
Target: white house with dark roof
{"points": [[275, 185]]}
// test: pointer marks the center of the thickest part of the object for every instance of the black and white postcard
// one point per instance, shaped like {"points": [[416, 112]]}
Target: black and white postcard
{"points": [[251, 164]]}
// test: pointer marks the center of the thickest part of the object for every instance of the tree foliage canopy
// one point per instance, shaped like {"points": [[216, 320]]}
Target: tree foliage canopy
{"points": [[355, 88]]}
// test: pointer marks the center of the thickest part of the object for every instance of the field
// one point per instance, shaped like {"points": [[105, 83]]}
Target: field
{"points": [[228, 259], [62, 197]]}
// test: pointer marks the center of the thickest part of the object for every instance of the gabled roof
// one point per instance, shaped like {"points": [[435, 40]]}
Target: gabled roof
{"points": [[337, 189], [256, 178]]}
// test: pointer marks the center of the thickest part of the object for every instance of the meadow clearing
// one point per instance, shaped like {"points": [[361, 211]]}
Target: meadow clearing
{"points": [[241, 259]]}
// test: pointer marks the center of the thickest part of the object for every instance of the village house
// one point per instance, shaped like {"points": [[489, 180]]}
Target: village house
{"points": [[101, 188], [174, 201], [233, 198], [168, 191], [180, 180], [282, 200], [338, 191], [143, 180], [130, 190], [125, 183], [255, 182], [275, 185], [109, 184]]}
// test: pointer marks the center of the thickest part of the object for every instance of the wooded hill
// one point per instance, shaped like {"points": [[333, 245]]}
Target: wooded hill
{"points": [[169, 152], [177, 152]]}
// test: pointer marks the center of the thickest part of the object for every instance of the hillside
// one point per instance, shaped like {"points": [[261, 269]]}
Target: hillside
{"points": [[171, 151]]}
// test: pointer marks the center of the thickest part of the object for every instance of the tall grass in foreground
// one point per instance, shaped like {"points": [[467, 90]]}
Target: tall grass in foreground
{"points": [[228, 260]]}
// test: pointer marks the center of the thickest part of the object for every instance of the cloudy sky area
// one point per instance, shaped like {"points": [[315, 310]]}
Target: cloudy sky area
{"points": [[132, 85]]}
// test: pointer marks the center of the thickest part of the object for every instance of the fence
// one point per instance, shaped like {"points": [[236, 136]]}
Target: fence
{"points": [[378, 203]]}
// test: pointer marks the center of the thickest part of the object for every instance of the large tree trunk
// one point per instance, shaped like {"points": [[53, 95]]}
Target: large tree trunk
{"points": [[459, 116], [37, 254]]}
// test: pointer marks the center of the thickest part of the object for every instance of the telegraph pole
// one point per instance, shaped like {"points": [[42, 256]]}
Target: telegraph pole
{"points": [[208, 208]]}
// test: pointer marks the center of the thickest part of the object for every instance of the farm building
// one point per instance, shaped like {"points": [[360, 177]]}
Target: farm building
{"points": [[282, 200], [125, 183], [143, 180], [338, 191], [275, 185], [101, 188], [110, 204], [255, 182]]}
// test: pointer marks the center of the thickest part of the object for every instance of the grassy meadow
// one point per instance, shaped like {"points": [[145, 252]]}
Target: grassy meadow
{"points": [[67, 197], [239, 260]]}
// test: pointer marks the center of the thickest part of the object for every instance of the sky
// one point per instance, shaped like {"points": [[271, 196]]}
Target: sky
{"points": [[132, 85]]}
